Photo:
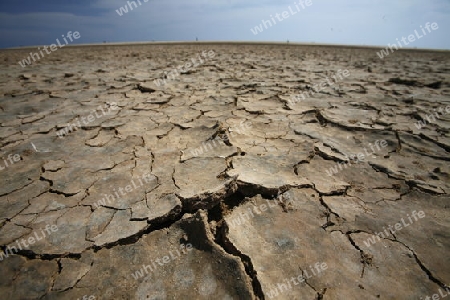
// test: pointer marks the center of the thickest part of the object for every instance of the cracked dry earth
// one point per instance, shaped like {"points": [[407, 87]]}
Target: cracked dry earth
{"points": [[214, 199]]}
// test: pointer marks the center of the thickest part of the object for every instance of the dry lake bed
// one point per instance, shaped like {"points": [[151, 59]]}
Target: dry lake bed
{"points": [[224, 171]]}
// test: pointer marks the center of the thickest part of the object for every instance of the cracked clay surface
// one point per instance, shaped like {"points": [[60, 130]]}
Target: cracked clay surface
{"points": [[217, 185]]}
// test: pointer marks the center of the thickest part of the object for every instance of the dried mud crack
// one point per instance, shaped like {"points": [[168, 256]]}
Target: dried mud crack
{"points": [[226, 182]]}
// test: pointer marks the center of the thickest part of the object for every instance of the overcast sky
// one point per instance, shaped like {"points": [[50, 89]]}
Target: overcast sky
{"points": [[357, 22]]}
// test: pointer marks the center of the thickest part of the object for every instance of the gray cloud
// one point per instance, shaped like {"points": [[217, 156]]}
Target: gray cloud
{"points": [[341, 21]]}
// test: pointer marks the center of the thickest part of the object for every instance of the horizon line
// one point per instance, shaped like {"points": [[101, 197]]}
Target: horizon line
{"points": [[233, 42]]}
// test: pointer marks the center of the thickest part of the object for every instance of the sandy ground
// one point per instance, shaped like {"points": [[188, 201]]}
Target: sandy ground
{"points": [[247, 171]]}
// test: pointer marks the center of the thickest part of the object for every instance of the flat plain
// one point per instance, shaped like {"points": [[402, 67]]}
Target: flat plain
{"points": [[225, 182]]}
